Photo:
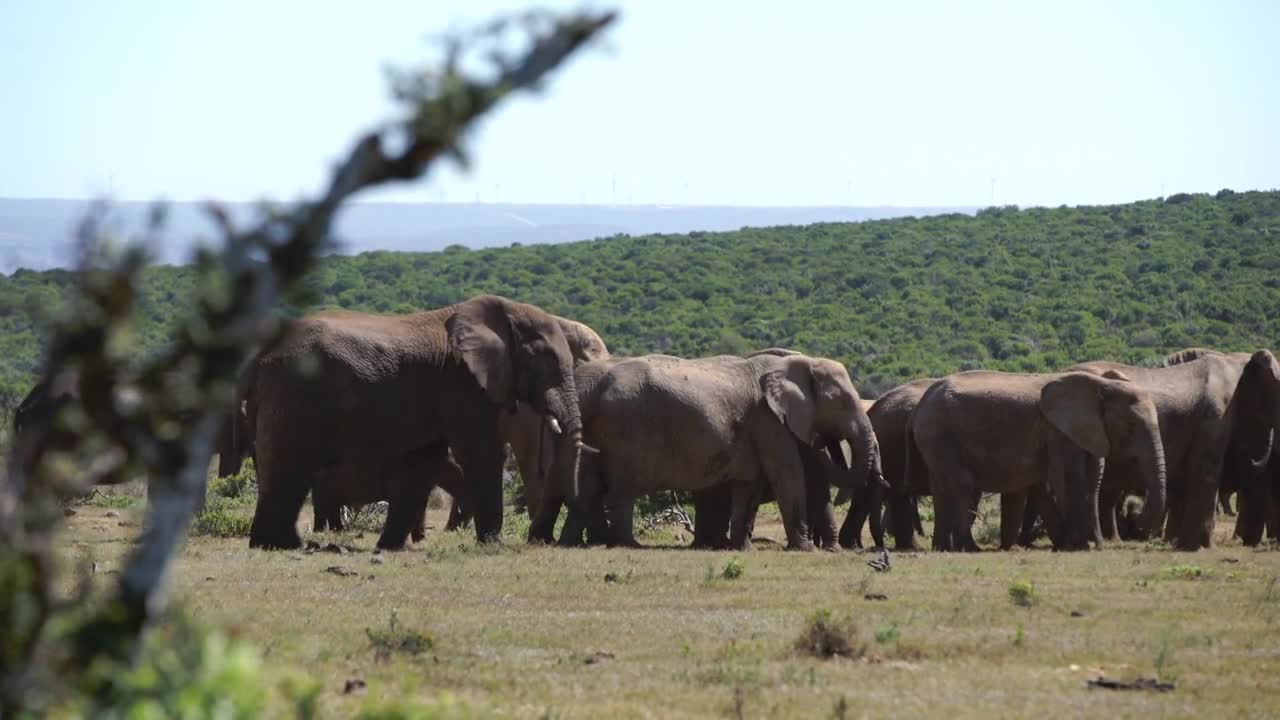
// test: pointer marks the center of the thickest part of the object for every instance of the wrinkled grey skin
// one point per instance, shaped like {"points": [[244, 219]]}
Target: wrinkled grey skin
{"points": [[983, 431], [352, 389], [1216, 411], [665, 423]]}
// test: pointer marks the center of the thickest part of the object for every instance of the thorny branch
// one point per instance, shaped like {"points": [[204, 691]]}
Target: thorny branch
{"points": [[159, 418]]}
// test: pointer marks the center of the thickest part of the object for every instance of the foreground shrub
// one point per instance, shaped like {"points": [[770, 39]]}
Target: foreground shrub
{"points": [[1022, 592], [220, 518]]}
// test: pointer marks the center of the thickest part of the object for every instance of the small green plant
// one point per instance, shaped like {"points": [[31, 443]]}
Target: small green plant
{"points": [[218, 519], [397, 639], [1022, 592], [827, 635], [1162, 656], [887, 634], [1019, 636], [241, 486], [732, 569], [1185, 572]]}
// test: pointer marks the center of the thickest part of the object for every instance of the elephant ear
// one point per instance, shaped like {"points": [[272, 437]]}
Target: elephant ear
{"points": [[1114, 374], [1073, 405], [481, 336], [789, 393]]}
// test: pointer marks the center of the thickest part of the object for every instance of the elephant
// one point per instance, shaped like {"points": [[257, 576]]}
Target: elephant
{"points": [[823, 468], [34, 416], [527, 433], [662, 423], [344, 388], [235, 440], [713, 507], [1216, 411], [987, 431], [889, 415], [354, 486]]}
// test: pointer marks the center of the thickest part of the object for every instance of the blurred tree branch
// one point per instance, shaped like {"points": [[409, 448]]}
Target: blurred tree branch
{"points": [[159, 418]]}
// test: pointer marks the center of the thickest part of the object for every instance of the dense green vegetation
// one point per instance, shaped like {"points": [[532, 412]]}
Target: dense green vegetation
{"points": [[1027, 290]]}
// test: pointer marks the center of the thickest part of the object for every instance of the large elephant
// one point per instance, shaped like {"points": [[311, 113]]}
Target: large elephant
{"points": [[984, 431], [889, 415], [1208, 405], [666, 423], [528, 434], [344, 388]]}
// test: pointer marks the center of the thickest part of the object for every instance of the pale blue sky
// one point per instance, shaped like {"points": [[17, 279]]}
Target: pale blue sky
{"points": [[752, 103]]}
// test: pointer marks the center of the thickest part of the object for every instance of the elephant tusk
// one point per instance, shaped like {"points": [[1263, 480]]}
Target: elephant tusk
{"points": [[587, 448], [555, 426], [1265, 458]]}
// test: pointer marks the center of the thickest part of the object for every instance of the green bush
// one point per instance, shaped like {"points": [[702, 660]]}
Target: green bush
{"points": [[221, 519], [241, 486], [187, 671], [1022, 592]]}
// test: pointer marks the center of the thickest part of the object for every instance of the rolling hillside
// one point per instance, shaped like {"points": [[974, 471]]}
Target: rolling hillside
{"points": [[1028, 290]]}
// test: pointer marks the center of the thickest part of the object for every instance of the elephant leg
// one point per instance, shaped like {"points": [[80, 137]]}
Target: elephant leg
{"points": [[1273, 516], [459, 514], [480, 451], [967, 543], [621, 513], [543, 516], [860, 508], [275, 516], [879, 517], [904, 520], [711, 510], [1031, 514], [1252, 502], [742, 516], [821, 513], [1224, 501], [952, 508], [1195, 529], [783, 469], [1013, 506]]}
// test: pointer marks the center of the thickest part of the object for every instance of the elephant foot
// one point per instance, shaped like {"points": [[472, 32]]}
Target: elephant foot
{"points": [[275, 541], [417, 537], [803, 545], [833, 548], [391, 543]]}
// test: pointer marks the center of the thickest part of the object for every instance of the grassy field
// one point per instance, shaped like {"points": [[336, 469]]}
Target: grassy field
{"points": [[518, 631]]}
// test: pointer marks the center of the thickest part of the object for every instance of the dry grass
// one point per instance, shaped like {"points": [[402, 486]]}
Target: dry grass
{"points": [[539, 632]]}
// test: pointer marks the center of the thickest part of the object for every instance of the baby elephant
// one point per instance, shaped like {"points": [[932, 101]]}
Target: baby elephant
{"points": [[405, 482]]}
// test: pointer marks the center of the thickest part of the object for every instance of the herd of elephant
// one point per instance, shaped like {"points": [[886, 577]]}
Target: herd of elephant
{"points": [[356, 408]]}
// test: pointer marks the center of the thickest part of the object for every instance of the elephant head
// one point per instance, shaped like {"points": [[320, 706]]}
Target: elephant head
{"points": [[816, 401], [1107, 415], [518, 353]]}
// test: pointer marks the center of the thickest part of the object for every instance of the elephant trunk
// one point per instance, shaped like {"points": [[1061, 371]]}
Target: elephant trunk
{"points": [[565, 419], [862, 440], [1153, 472]]}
